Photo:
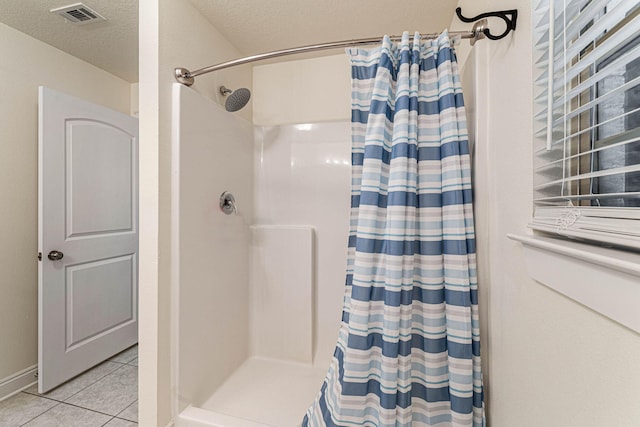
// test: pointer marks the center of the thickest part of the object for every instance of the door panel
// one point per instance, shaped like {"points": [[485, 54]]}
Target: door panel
{"points": [[99, 178], [100, 297], [88, 210]]}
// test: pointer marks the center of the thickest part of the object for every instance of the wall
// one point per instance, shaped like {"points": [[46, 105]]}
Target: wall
{"points": [[302, 91], [303, 177], [25, 64], [214, 155], [134, 100], [548, 361], [302, 173], [172, 34]]}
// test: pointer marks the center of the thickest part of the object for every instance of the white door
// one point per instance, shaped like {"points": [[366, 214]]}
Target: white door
{"points": [[88, 235]]}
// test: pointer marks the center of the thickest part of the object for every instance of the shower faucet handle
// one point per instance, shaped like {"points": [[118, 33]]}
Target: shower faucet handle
{"points": [[228, 203]]}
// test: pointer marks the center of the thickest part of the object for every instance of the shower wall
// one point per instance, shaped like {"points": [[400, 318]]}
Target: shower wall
{"points": [[172, 33], [302, 171], [302, 177], [213, 152], [273, 273], [312, 90]]}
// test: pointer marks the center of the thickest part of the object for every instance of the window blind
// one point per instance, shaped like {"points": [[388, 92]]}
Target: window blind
{"points": [[587, 119]]}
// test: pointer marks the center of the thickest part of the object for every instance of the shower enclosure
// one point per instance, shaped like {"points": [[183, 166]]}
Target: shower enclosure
{"points": [[257, 292]]}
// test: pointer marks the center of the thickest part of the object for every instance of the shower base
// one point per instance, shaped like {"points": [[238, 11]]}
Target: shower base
{"points": [[261, 393]]}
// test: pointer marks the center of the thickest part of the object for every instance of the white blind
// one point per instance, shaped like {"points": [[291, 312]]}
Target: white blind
{"points": [[587, 119]]}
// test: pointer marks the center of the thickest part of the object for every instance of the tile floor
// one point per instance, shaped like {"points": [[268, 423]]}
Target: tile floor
{"points": [[106, 395]]}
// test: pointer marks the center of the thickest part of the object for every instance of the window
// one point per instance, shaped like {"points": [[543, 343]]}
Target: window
{"points": [[587, 113]]}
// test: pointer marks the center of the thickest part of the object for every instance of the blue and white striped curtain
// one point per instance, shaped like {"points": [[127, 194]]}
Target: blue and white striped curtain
{"points": [[408, 352]]}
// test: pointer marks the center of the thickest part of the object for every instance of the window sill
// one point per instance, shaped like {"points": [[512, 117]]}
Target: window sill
{"points": [[605, 280]]}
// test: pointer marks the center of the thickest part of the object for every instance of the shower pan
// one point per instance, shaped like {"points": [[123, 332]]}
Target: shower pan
{"points": [[256, 292]]}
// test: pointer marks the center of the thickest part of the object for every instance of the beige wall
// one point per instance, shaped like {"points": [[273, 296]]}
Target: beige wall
{"points": [[302, 91], [26, 63], [172, 34], [548, 361], [134, 100]]}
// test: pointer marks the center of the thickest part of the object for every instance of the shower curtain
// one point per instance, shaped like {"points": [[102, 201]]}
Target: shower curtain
{"points": [[408, 351]]}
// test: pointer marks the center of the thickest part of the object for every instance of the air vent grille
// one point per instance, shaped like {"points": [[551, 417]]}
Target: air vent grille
{"points": [[78, 13]]}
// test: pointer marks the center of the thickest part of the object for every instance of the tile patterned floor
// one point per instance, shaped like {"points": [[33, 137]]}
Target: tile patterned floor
{"points": [[106, 395]]}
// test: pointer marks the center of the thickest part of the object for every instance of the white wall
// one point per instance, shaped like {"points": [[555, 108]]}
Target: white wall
{"points": [[303, 174], [212, 249], [303, 177], [172, 34], [302, 91], [26, 63], [548, 361]]}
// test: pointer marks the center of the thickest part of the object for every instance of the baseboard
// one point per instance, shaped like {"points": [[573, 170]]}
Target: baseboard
{"points": [[17, 382]]}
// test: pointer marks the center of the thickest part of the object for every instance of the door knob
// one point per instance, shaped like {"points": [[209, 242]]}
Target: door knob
{"points": [[55, 255]]}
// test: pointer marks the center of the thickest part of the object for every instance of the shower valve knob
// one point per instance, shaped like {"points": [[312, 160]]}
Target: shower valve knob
{"points": [[228, 203]]}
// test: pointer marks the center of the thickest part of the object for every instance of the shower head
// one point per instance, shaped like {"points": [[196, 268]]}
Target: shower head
{"points": [[236, 99]]}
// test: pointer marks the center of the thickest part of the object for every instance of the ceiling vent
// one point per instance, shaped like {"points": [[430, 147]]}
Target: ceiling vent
{"points": [[78, 14]]}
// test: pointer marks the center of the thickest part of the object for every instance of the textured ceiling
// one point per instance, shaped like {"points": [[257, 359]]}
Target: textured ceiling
{"points": [[252, 26], [111, 45], [255, 26]]}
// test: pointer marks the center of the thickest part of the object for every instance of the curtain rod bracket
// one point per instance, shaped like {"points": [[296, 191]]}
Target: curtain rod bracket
{"points": [[184, 76], [478, 31], [510, 18]]}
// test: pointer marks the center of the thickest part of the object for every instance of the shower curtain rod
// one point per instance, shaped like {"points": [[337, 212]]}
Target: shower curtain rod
{"points": [[186, 77]]}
